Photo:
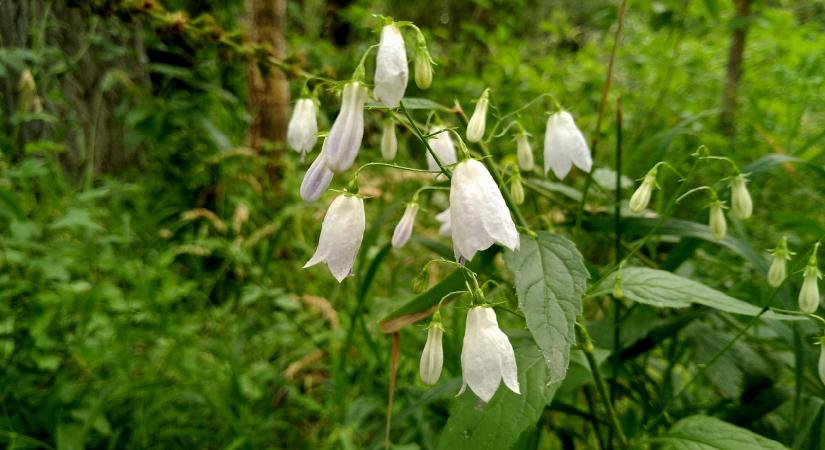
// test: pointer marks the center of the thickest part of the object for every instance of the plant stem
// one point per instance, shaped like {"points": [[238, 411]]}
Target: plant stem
{"points": [[587, 347], [421, 137], [602, 104], [617, 225]]}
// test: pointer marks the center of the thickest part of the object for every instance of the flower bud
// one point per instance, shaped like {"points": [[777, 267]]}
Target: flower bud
{"points": [[432, 358], [641, 198], [821, 366], [28, 90], [564, 146], [778, 271], [423, 65], [516, 190], [403, 230], [302, 131], [524, 153], [344, 140], [740, 199], [391, 71], [809, 294], [618, 292], [478, 121], [316, 180], [389, 143], [718, 225]]}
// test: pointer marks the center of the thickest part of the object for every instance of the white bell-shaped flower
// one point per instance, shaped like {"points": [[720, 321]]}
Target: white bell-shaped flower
{"points": [[564, 146], [478, 214], [443, 146], [741, 204], [341, 235], [524, 153], [404, 229], [809, 294], [487, 356], [316, 180], [478, 121], [432, 358], [389, 142], [641, 198], [778, 270], [718, 224], [302, 133], [344, 140], [821, 365], [445, 229], [391, 70]]}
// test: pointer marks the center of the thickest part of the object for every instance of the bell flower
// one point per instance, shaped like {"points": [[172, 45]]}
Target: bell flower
{"points": [[444, 218], [741, 205], [391, 71], [809, 294], [524, 153], [403, 230], [478, 215], [344, 139], [641, 198], [487, 356], [316, 180], [302, 131], [389, 143], [442, 145], [564, 146], [432, 358], [341, 233], [478, 121], [717, 223]]}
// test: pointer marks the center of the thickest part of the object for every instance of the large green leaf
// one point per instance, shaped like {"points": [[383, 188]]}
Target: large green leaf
{"points": [[497, 425], [709, 433], [550, 281], [668, 290]]}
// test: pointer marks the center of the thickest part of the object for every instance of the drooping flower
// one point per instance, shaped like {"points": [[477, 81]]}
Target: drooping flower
{"points": [[344, 140], [442, 145], [478, 214], [389, 143], [524, 153], [403, 230], [717, 223], [432, 358], [641, 198], [809, 294], [487, 356], [341, 233], [478, 121], [391, 71], [741, 204], [316, 180], [564, 146], [444, 218], [302, 131]]}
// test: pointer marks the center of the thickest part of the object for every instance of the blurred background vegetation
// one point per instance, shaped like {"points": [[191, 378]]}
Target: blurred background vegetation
{"points": [[152, 236]]}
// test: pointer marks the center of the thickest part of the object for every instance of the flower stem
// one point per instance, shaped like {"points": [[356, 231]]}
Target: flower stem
{"points": [[587, 347], [421, 137]]}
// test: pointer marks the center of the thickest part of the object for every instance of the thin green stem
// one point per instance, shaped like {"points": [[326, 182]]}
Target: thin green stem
{"points": [[423, 140], [587, 347]]}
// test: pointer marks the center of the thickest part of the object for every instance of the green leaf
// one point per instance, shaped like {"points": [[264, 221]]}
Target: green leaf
{"points": [[550, 281], [708, 433], [497, 425], [668, 290]]}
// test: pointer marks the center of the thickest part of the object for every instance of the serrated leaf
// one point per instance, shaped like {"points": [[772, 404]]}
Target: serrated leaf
{"points": [[550, 281], [668, 290], [497, 425], [708, 433]]}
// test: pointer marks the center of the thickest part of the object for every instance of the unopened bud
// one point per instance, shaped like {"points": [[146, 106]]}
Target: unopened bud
{"points": [[641, 198], [740, 199], [478, 121], [389, 143], [718, 225], [516, 190], [432, 358], [423, 64], [809, 294]]}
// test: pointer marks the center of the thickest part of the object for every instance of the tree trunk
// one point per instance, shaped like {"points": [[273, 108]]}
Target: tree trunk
{"points": [[268, 87], [727, 120]]}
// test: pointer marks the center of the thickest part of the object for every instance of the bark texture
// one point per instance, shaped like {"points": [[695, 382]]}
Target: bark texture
{"points": [[733, 74]]}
